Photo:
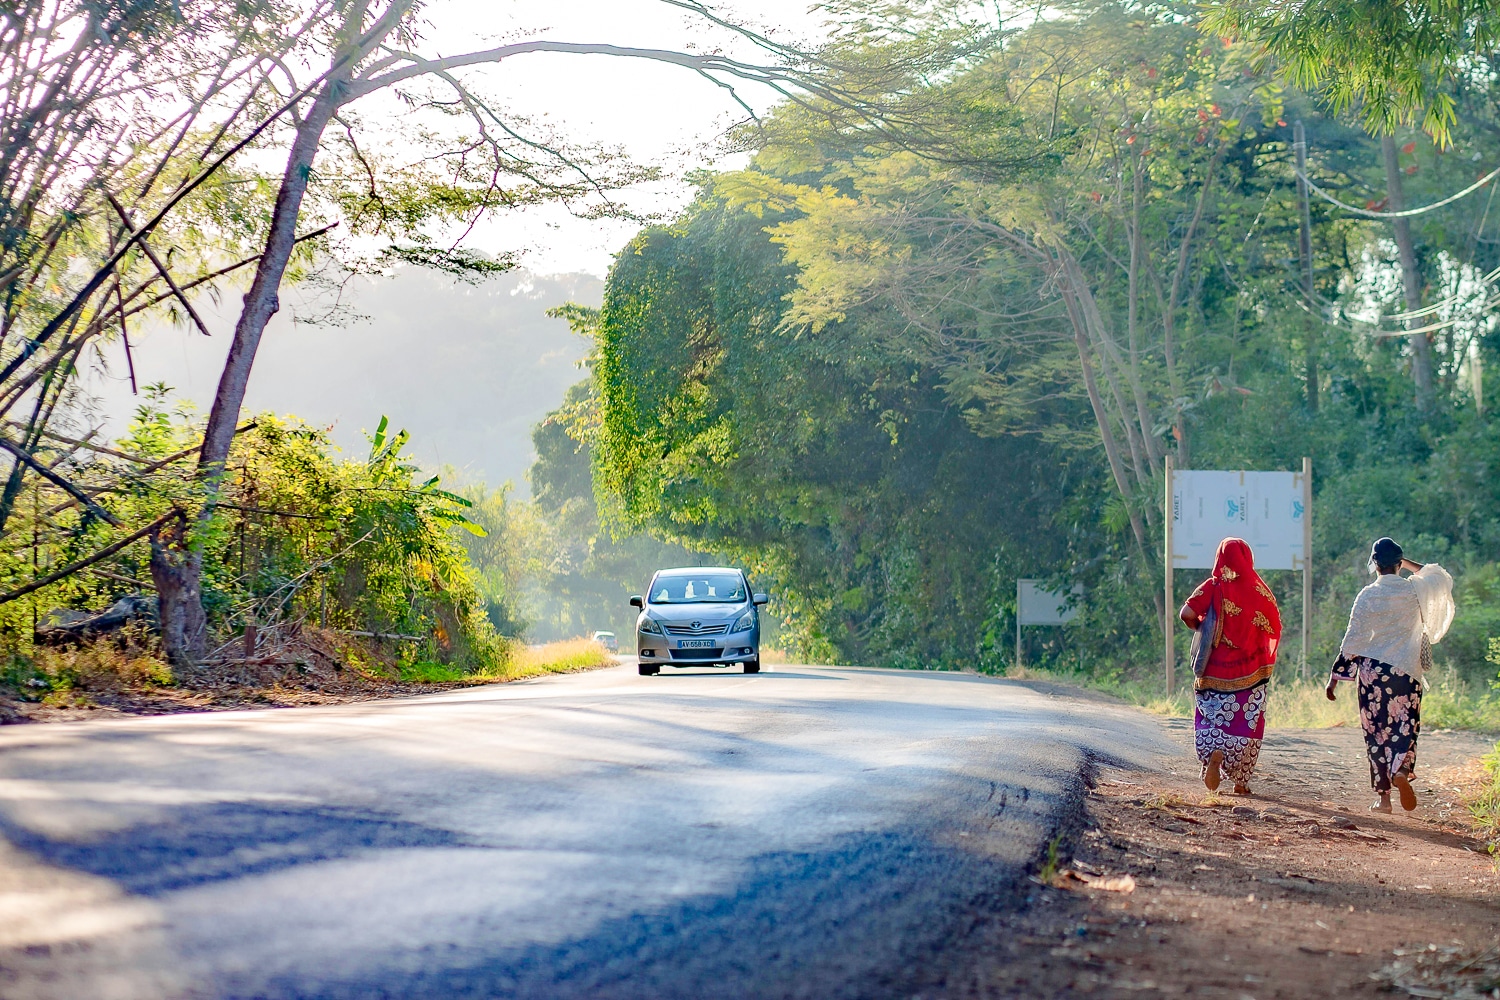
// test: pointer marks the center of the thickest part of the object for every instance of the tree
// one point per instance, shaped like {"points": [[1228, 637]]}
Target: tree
{"points": [[1393, 63], [118, 118], [1389, 61], [361, 49], [1107, 191], [827, 462]]}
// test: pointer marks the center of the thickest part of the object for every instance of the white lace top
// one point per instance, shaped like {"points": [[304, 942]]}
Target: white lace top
{"points": [[1389, 615]]}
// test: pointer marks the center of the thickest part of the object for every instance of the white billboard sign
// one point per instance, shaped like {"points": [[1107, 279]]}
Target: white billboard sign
{"points": [[1266, 509], [1037, 606]]}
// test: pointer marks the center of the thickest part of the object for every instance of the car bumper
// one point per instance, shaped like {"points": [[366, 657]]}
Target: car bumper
{"points": [[653, 651]]}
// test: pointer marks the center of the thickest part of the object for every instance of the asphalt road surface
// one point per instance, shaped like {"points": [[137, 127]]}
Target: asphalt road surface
{"points": [[808, 832]]}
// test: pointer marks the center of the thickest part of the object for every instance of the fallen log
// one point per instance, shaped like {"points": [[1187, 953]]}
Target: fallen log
{"points": [[67, 626]]}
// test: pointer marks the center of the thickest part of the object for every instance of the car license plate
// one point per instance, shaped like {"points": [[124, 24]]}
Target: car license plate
{"points": [[695, 644]]}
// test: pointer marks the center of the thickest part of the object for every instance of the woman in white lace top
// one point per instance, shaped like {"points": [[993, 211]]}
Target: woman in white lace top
{"points": [[1385, 650]]}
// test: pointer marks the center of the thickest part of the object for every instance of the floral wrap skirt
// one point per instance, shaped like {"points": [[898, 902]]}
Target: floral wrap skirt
{"points": [[1232, 723], [1390, 711]]}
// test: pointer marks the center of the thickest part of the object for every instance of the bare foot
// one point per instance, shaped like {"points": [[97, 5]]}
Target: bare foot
{"points": [[1211, 774], [1241, 788], [1408, 793], [1383, 804]]}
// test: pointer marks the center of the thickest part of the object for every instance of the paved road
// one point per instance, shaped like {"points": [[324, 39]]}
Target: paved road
{"points": [[808, 832]]}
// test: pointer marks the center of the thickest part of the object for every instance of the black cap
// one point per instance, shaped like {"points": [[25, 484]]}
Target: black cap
{"points": [[1385, 552]]}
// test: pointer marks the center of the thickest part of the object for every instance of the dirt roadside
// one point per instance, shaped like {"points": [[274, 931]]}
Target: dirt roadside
{"points": [[1297, 891], [237, 687]]}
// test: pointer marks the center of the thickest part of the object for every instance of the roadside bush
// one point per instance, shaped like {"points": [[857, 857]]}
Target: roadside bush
{"points": [[101, 667], [1486, 805], [299, 536]]}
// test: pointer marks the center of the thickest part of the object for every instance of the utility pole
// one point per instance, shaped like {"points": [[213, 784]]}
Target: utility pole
{"points": [[1304, 251]]}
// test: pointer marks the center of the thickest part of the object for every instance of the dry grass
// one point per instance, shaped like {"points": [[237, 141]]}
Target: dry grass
{"points": [[124, 675], [71, 676], [1486, 805], [1448, 703], [1295, 703], [1302, 704], [562, 657]]}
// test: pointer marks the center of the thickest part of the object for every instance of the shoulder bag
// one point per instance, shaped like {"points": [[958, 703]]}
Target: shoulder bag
{"points": [[1203, 639], [1424, 656]]}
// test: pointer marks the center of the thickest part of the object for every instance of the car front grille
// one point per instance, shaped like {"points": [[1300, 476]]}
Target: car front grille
{"points": [[700, 630], [697, 654]]}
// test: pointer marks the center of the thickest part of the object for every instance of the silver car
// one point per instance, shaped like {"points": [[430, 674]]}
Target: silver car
{"points": [[700, 616]]}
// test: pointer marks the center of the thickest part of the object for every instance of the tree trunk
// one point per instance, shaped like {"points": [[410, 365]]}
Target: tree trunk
{"points": [[1304, 253], [1153, 447], [1101, 415], [1174, 295], [1088, 308], [1411, 276], [176, 566], [177, 572]]}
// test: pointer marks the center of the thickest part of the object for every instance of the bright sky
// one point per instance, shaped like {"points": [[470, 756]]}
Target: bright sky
{"points": [[657, 113]]}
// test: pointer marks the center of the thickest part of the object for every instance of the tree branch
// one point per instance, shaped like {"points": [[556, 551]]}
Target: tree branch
{"points": [[85, 563], [72, 490]]}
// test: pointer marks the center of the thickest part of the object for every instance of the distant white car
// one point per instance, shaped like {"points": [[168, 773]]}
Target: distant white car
{"points": [[607, 640]]}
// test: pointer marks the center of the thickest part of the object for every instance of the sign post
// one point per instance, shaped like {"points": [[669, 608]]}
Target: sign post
{"points": [[1270, 510], [1169, 654], [1306, 561], [1038, 606]]}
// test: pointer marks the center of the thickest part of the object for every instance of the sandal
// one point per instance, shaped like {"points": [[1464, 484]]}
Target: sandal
{"points": [[1382, 805], [1211, 777], [1408, 793], [1241, 788]]}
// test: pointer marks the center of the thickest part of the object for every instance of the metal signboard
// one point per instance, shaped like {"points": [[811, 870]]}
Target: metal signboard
{"points": [[1038, 606], [1266, 509], [1270, 510]]}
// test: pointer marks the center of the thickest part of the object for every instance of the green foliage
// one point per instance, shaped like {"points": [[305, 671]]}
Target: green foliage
{"points": [[1485, 806], [1389, 61], [71, 676], [298, 536], [588, 571], [828, 465], [856, 366]]}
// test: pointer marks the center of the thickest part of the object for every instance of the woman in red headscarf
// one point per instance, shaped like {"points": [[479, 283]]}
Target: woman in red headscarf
{"points": [[1230, 720]]}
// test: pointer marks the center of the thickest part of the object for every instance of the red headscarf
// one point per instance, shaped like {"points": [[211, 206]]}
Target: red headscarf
{"points": [[1248, 629]]}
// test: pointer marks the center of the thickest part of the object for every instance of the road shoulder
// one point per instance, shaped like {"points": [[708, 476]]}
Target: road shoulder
{"points": [[1295, 892]]}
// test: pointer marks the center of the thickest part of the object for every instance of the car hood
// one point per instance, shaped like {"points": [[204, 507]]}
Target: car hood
{"points": [[686, 614]]}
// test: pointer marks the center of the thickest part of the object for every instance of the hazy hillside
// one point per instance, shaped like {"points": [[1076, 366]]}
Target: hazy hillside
{"points": [[467, 369]]}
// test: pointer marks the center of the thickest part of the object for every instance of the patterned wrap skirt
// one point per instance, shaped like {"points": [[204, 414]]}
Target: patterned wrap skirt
{"points": [[1390, 711], [1233, 723]]}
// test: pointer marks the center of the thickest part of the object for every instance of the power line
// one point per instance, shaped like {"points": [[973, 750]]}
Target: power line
{"points": [[1408, 213]]}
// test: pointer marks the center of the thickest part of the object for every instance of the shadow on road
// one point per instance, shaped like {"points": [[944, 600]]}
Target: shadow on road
{"points": [[850, 920], [741, 675], [213, 843]]}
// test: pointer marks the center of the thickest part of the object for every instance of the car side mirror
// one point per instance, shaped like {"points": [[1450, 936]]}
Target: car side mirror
{"points": [[761, 598], [636, 601]]}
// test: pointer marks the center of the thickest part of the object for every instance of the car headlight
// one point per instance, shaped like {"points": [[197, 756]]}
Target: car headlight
{"points": [[649, 625], [746, 622]]}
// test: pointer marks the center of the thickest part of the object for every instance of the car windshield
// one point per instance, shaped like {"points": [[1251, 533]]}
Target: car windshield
{"points": [[701, 588]]}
